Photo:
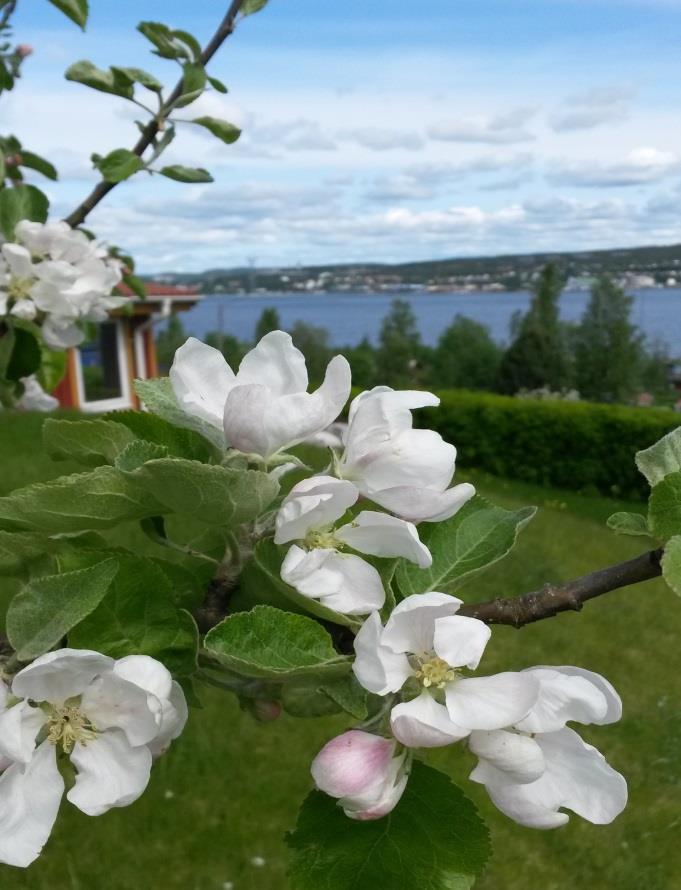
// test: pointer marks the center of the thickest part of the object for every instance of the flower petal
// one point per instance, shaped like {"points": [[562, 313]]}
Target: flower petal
{"points": [[491, 702], [111, 773], [351, 763], [379, 534], [564, 696], [201, 380], [112, 702], [275, 363], [313, 503], [341, 581], [19, 726], [18, 259], [424, 504], [577, 777], [411, 626], [174, 716], [518, 757], [461, 641], [145, 672], [59, 675], [377, 668], [424, 723], [30, 795]]}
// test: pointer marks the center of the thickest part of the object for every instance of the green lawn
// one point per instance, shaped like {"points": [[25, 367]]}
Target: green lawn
{"points": [[220, 801]]}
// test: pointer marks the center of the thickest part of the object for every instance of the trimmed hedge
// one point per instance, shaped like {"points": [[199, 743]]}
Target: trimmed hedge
{"points": [[575, 445]]}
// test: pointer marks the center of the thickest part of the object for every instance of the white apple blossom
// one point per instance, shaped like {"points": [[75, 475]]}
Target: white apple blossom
{"points": [[423, 650], [34, 397], [319, 567], [58, 278], [364, 771], [110, 718], [265, 406], [538, 765], [408, 471]]}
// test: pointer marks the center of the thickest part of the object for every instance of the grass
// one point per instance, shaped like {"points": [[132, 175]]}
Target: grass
{"points": [[219, 802]]}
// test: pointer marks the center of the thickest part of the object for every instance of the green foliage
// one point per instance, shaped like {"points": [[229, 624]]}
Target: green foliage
{"points": [[232, 349], [224, 131], [574, 445], [362, 359], [21, 202], [249, 7], [664, 507], [90, 442], [119, 627], [186, 174], [433, 840], [170, 44], [313, 342], [269, 321], [475, 537], [158, 397], [538, 355], [633, 524], [275, 645], [115, 81], [76, 10], [20, 351], [671, 564], [118, 165], [400, 349], [169, 340], [137, 75], [46, 609], [52, 367], [608, 347], [466, 356], [41, 165], [662, 458], [178, 442]]}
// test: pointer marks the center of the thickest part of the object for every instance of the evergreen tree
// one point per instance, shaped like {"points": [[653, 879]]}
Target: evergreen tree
{"points": [[466, 356], [538, 355], [400, 351], [362, 360], [232, 349], [269, 321], [609, 348], [168, 341], [313, 342]]}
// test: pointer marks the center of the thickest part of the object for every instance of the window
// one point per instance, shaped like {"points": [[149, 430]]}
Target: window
{"points": [[103, 380]]}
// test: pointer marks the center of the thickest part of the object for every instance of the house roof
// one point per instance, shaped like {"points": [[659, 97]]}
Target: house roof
{"points": [[156, 291]]}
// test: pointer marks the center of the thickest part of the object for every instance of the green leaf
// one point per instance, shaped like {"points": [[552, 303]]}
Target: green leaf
{"points": [[138, 617], [186, 174], [166, 41], [76, 10], [158, 397], [113, 81], [434, 840], [138, 453], [52, 367], [119, 165], [629, 524], [135, 284], [35, 162], [269, 643], [188, 582], [348, 695], [89, 442], [261, 582], [662, 458], [477, 536], [217, 84], [17, 549], [249, 7], [151, 428], [101, 498], [214, 494], [48, 607], [222, 129], [21, 202], [671, 564], [664, 507], [137, 75], [193, 83], [26, 353]]}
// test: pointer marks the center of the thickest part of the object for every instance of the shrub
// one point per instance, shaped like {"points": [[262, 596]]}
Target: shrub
{"points": [[574, 445]]}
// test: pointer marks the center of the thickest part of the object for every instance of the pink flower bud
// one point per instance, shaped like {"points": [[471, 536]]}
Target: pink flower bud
{"points": [[363, 772], [263, 710], [24, 50]]}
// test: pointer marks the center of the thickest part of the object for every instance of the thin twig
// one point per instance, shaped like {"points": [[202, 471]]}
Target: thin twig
{"points": [[554, 598], [79, 215]]}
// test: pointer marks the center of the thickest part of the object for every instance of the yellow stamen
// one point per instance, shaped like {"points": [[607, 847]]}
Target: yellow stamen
{"points": [[19, 288], [66, 725], [435, 672]]}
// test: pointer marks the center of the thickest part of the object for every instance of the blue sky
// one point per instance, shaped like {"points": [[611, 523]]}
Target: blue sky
{"points": [[378, 129]]}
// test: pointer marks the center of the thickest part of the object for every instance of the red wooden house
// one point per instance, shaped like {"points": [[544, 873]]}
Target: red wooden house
{"points": [[100, 372]]}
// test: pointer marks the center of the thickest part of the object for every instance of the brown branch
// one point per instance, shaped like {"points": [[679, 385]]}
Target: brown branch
{"points": [[552, 599], [78, 216]]}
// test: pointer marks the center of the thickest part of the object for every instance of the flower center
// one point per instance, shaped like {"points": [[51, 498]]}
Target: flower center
{"points": [[323, 539], [434, 672], [19, 288], [66, 725]]}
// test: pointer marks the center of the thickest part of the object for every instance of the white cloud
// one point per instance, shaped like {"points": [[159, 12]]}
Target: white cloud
{"points": [[505, 128], [640, 167], [381, 139], [592, 108]]}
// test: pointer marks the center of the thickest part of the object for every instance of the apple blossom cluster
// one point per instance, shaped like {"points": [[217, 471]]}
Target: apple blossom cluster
{"points": [[58, 278], [421, 659], [529, 761], [77, 710]]}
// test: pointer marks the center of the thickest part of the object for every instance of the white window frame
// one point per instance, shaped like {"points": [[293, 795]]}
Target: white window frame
{"points": [[141, 370], [122, 401]]}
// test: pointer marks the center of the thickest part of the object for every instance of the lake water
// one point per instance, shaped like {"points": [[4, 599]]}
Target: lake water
{"points": [[350, 316]]}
